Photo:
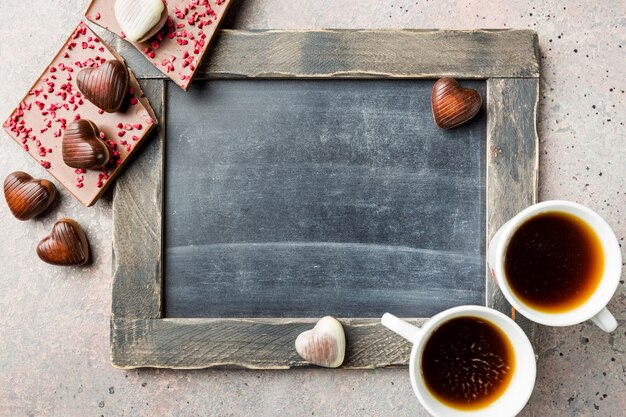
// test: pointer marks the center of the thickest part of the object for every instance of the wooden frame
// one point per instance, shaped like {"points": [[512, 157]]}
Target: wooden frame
{"points": [[507, 60]]}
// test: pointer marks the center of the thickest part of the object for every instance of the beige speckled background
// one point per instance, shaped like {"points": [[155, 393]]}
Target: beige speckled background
{"points": [[54, 344]]}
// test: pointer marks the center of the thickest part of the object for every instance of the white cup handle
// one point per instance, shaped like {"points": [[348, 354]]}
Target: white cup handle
{"points": [[401, 327], [605, 320]]}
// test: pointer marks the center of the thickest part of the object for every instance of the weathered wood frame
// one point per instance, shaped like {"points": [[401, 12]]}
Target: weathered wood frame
{"points": [[507, 60]]}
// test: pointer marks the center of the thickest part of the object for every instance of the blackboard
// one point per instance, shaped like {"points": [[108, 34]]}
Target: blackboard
{"points": [[305, 198], [302, 175]]}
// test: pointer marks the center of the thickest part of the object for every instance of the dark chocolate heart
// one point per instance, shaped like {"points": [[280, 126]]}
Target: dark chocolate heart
{"points": [[82, 147], [452, 104], [106, 86], [28, 197], [66, 245]]}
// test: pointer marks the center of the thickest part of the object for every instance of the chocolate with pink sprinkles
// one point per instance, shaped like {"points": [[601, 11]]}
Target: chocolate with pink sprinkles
{"points": [[180, 45], [39, 121]]}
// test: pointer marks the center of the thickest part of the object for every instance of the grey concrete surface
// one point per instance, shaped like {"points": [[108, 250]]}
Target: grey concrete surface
{"points": [[54, 345]]}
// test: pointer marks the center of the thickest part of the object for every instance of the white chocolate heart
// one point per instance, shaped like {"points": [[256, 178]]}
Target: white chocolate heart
{"points": [[324, 345], [140, 19]]}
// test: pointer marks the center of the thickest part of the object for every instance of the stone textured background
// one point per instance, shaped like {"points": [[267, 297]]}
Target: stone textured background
{"points": [[54, 349]]}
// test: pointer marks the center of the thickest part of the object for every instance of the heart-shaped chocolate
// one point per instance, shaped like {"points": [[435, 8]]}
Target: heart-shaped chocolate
{"points": [[82, 147], [28, 197], [324, 345], [452, 104], [66, 245], [140, 19], [106, 86]]}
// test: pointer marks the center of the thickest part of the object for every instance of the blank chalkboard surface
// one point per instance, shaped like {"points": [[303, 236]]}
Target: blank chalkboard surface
{"points": [[305, 198]]}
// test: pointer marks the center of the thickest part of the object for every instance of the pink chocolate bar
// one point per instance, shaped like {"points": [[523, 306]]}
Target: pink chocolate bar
{"points": [[177, 49], [54, 101]]}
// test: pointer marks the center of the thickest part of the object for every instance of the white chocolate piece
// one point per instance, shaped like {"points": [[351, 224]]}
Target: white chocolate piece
{"points": [[324, 345], [140, 19]]}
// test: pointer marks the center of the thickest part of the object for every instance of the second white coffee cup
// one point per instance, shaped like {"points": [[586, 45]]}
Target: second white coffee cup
{"points": [[517, 393], [594, 308]]}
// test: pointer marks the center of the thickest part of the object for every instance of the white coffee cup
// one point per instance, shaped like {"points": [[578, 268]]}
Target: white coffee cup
{"points": [[595, 307], [517, 393]]}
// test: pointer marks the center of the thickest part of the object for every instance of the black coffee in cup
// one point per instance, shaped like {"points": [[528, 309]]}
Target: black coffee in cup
{"points": [[554, 262], [467, 363]]}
